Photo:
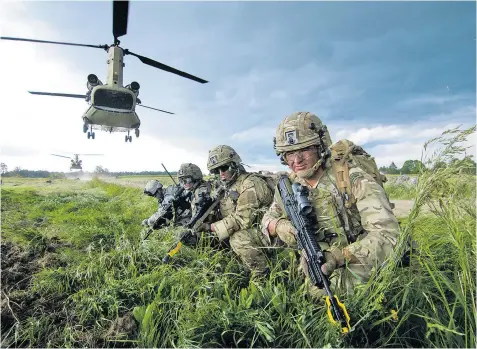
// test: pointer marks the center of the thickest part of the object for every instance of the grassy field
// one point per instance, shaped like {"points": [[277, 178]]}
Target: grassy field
{"points": [[76, 273]]}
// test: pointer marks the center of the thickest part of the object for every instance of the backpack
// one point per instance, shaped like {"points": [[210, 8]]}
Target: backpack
{"points": [[270, 179], [344, 152]]}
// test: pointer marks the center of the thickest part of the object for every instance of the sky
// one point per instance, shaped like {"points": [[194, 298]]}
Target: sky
{"points": [[385, 75]]}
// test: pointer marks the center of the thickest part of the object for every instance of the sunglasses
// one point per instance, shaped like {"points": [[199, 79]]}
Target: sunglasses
{"points": [[186, 180], [222, 168]]}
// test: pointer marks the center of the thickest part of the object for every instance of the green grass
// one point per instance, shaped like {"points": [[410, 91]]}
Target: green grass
{"points": [[78, 274]]}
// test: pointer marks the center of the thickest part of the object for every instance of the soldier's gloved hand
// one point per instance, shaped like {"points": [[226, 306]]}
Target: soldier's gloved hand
{"points": [[188, 239], [284, 229], [204, 227], [334, 259], [145, 222]]}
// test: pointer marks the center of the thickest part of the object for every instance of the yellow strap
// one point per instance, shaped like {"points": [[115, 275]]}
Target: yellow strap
{"points": [[346, 328], [175, 249]]}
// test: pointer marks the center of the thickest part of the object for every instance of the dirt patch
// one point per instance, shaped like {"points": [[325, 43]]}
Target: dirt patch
{"points": [[403, 208], [19, 265], [123, 328]]}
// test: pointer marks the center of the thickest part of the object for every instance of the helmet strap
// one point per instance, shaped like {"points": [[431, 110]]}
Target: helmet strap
{"points": [[307, 174]]}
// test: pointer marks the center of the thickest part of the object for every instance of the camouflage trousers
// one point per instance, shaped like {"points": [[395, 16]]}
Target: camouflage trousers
{"points": [[250, 246], [342, 281]]}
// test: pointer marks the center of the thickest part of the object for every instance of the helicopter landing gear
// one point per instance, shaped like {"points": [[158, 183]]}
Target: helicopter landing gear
{"points": [[128, 138], [85, 128], [136, 131], [90, 133]]}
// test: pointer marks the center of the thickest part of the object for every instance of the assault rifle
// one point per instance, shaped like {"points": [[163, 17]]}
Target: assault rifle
{"points": [[300, 211], [205, 206], [166, 208]]}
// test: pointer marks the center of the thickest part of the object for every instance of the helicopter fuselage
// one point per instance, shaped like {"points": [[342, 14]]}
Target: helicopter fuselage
{"points": [[112, 106]]}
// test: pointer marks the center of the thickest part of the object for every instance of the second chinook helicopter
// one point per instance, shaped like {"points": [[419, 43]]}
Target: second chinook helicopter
{"points": [[76, 163], [112, 106]]}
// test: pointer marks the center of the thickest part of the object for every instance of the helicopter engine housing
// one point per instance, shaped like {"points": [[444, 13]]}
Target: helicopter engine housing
{"points": [[92, 81], [134, 86]]}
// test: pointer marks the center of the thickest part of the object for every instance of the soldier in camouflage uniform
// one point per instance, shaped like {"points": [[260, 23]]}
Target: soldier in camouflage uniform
{"points": [[303, 142], [191, 179], [246, 198]]}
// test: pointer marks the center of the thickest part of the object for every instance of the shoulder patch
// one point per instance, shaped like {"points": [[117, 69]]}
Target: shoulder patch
{"points": [[353, 177]]}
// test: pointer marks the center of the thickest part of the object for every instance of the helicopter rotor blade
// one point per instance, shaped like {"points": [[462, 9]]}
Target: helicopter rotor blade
{"points": [[120, 18], [57, 94], [145, 106], [164, 67], [104, 47], [62, 156]]}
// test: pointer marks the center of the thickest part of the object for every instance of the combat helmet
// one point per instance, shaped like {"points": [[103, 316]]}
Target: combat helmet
{"points": [[300, 130], [152, 187], [222, 155], [190, 170]]}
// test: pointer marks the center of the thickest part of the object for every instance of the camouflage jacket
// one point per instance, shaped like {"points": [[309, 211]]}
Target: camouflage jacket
{"points": [[204, 187], [243, 205], [180, 213], [371, 217]]}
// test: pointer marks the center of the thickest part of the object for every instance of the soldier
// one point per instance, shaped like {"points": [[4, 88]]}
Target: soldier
{"points": [[246, 198], [170, 201], [154, 189], [191, 178], [184, 204], [302, 142]]}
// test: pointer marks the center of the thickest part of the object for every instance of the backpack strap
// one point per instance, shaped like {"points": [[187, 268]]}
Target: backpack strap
{"points": [[339, 164]]}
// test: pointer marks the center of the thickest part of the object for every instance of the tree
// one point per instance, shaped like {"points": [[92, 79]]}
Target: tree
{"points": [[467, 164], [101, 169], [392, 169], [412, 167], [3, 168], [439, 164]]}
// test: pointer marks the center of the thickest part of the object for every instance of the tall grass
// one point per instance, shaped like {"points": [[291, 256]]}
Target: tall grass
{"points": [[91, 280]]}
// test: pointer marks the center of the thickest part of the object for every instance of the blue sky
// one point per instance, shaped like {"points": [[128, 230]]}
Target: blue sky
{"points": [[399, 72]]}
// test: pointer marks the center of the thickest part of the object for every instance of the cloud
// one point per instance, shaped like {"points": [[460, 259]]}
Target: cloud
{"points": [[254, 134], [379, 79], [436, 99], [388, 133]]}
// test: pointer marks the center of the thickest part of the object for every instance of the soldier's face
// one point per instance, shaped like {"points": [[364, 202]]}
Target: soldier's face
{"points": [[187, 182], [224, 173], [302, 160]]}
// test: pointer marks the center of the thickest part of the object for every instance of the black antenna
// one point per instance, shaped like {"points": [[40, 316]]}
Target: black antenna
{"points": [[168, 173]]}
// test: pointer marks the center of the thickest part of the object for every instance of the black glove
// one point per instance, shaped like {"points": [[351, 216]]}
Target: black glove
{"points": [[188, 238]]}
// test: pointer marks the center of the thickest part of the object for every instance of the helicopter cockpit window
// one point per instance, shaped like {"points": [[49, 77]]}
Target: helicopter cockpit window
{"points": [[110, 99]]}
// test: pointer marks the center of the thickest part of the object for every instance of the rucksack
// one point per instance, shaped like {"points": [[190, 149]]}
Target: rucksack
{"points": [[344, 152], [270, 179]]}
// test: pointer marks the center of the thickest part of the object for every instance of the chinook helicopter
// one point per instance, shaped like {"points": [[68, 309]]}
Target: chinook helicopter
{"points": [[112, 106], [76, 163]]}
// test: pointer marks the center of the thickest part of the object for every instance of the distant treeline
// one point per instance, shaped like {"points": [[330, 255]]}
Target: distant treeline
{"points": [[33, 174], [415, 166], [48, 174], [143, 173]]}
